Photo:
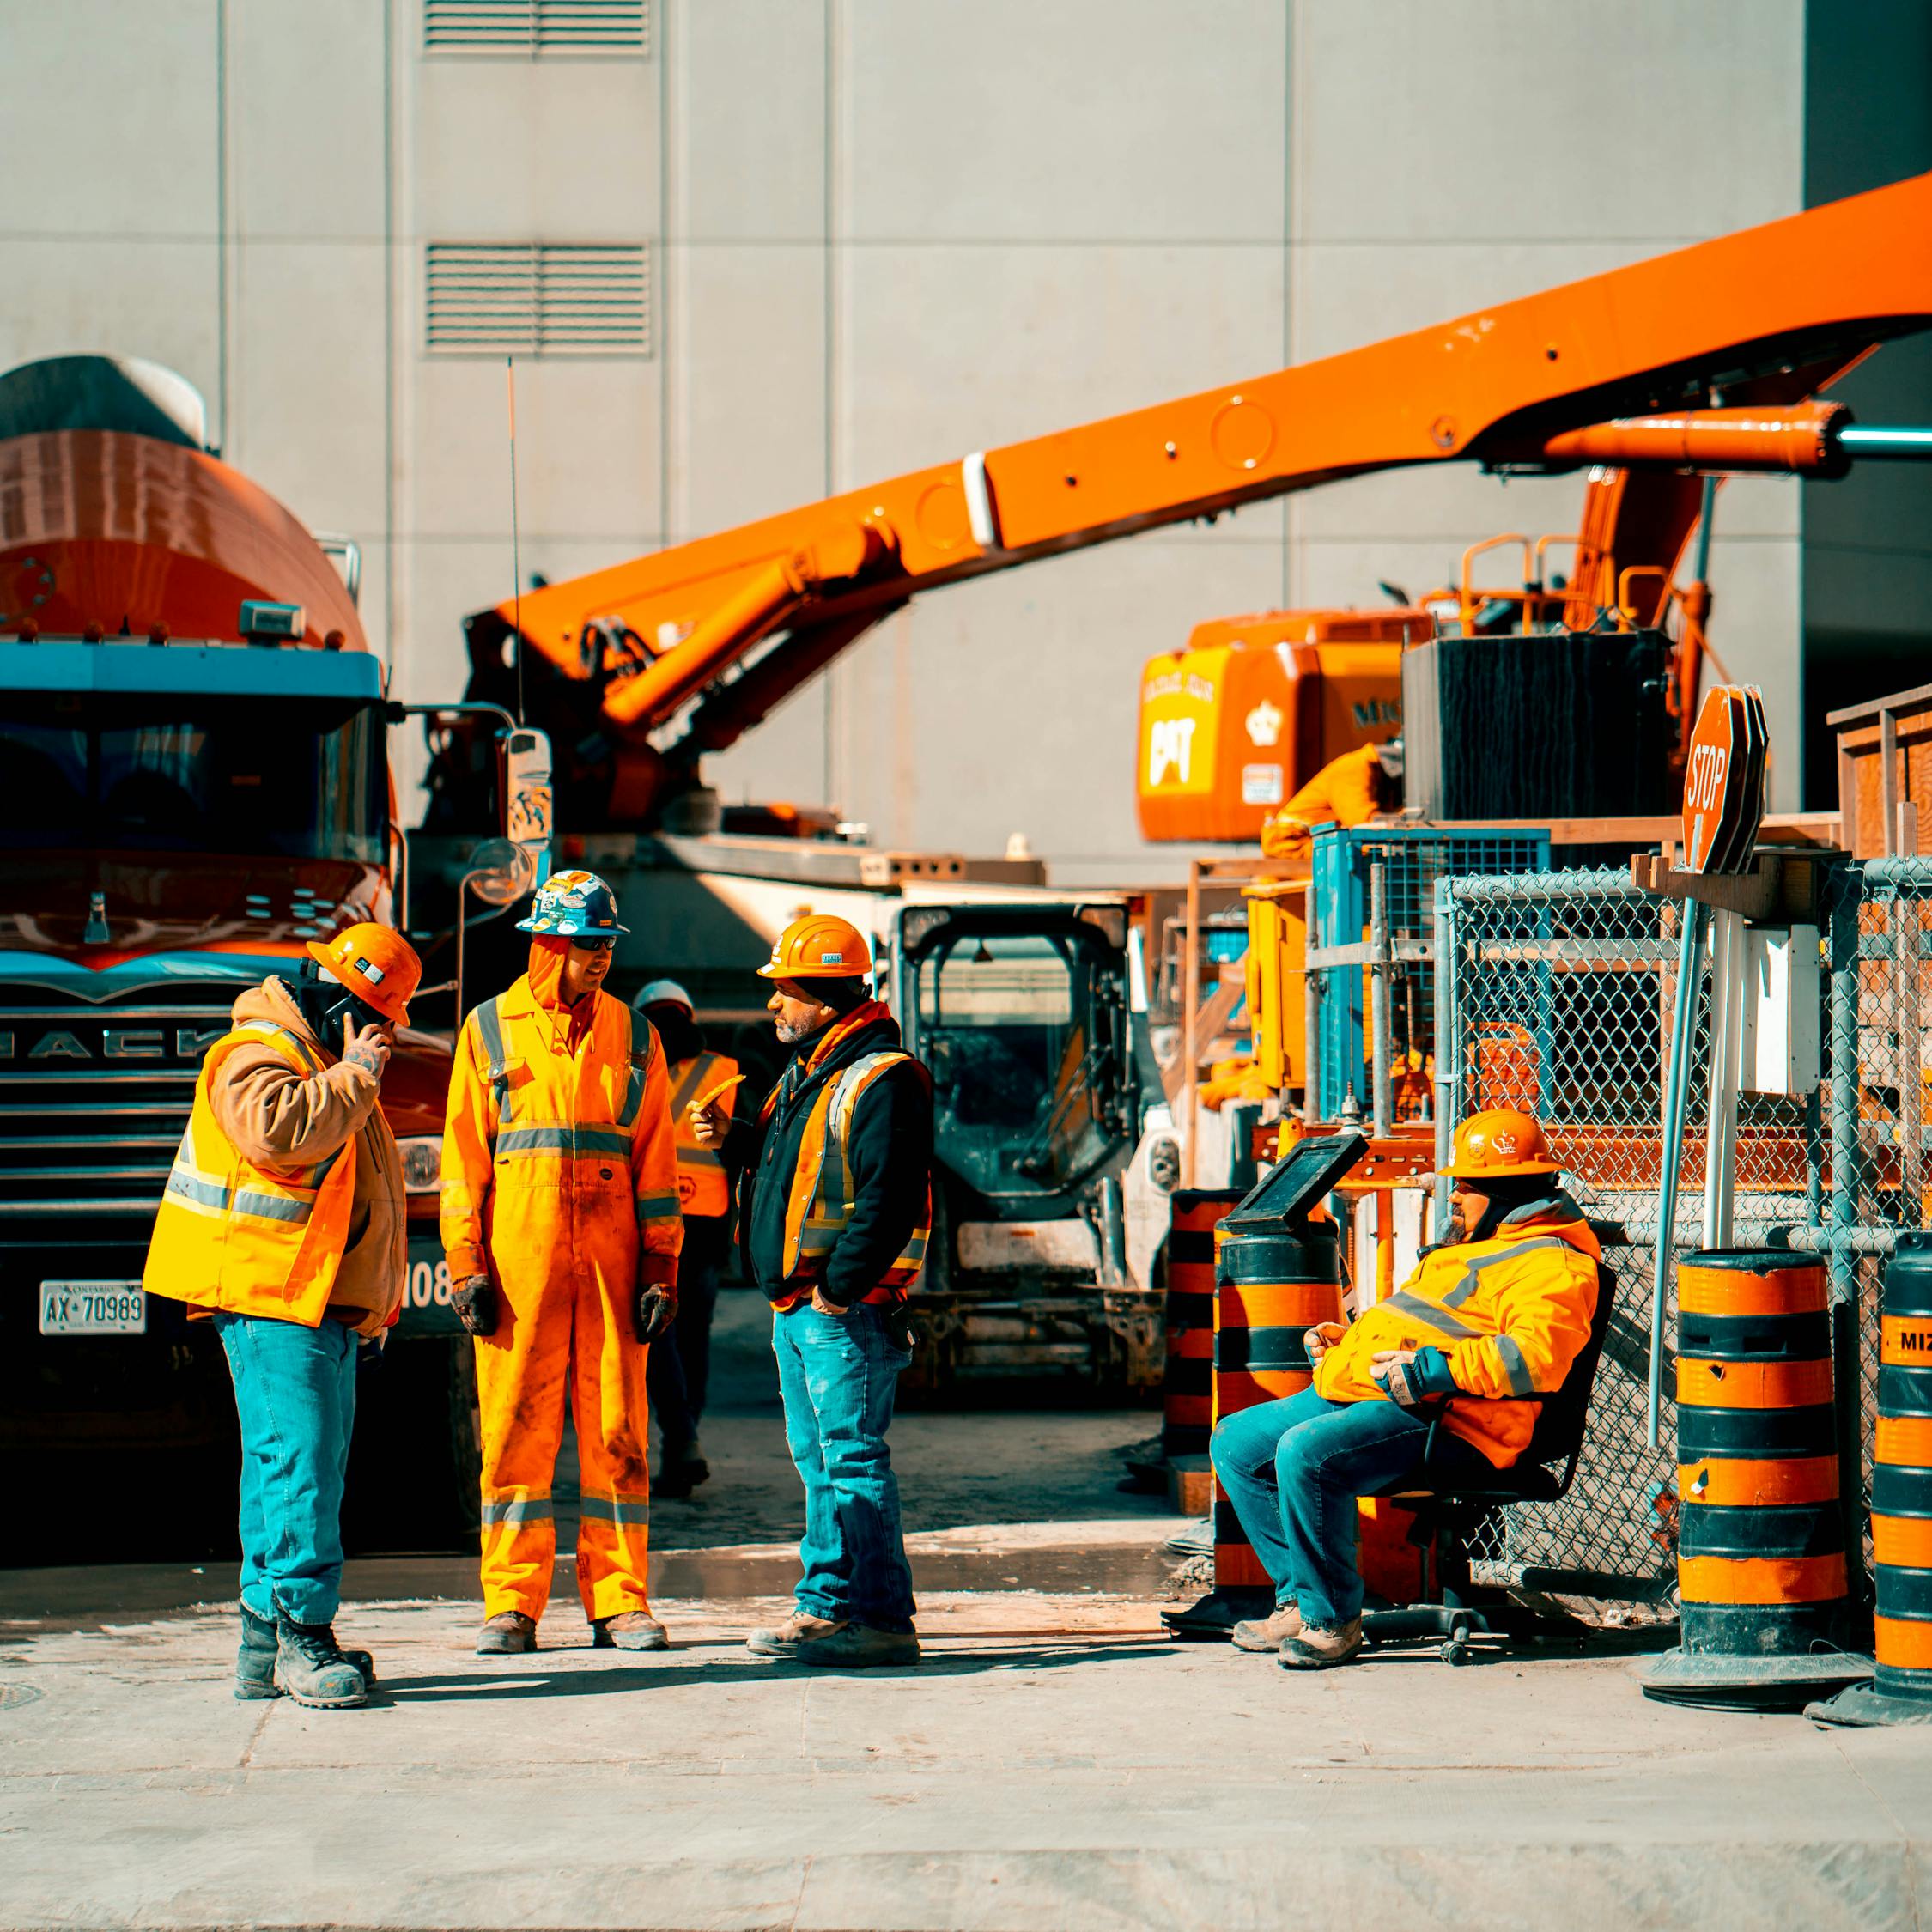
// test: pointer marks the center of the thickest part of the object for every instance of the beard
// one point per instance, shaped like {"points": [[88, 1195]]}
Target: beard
{"points": [[789, 1032]]}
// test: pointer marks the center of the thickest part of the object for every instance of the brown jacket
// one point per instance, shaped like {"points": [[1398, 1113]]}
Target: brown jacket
{"points": [[277, 1118]]}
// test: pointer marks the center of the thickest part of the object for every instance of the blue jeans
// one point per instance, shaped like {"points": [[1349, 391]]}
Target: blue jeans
{"points": [[295, 1393], [838, 1376], [1293, 1469]]}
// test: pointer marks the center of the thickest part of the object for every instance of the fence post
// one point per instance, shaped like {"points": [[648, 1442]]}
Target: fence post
{"points": [[1847, 1363], [1449, 1044], [1380, 1111]]}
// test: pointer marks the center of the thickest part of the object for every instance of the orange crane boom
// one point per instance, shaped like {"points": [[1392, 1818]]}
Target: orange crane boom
{"points": [[1763, 317]]}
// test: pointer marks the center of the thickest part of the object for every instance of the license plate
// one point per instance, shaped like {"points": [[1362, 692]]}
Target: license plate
{"points": [[93, 1307]]}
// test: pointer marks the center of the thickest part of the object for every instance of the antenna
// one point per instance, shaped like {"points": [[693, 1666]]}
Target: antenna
{"points": [[516, 554]]}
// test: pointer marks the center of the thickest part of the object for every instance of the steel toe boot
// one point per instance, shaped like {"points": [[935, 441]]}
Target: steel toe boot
{"points": [[509, 1633], [1316, 1649], [683, 1468], [782, 1640], [859, 1647], [311, 1668], [631, 1629], [254, 1662], [1272, 1631]]}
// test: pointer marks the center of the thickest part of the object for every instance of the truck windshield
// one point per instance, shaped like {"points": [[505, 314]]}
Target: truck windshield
{"points": [[94, 771]]}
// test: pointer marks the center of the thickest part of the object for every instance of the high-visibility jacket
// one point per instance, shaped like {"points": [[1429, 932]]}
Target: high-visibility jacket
{"points": [[819, 1207], [243, 1238], [1510, 1314], [702, 1188], [1343, 792], [579, 1141]]}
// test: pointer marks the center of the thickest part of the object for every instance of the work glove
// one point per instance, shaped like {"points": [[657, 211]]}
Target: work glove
{"points": [[654, 1310], [1411, 1377], [474, 1299]]}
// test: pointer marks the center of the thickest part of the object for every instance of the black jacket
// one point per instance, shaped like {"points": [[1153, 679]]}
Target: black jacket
{"points": [[890, 1150]]}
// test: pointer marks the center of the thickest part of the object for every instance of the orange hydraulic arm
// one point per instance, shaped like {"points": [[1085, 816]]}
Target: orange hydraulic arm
{"points": [[1764, 314]]}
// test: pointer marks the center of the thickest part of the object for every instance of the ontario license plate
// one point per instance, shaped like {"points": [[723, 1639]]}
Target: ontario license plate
{"points": [[93, 1307]]}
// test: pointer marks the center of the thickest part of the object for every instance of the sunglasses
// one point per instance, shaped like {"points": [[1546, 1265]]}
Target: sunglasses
{"points": [[592, 943]]}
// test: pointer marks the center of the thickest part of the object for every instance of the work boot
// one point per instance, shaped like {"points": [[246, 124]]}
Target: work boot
{"points": [[1316, 1649], [784, 1640], [1272, 1631], [683, 1468], [509, 1633], [311, 1668], [254, 1662], [860, 1647], [631, 1629]]}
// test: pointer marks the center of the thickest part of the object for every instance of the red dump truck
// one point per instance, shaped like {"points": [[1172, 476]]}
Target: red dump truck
{"points": [[193, 733]]}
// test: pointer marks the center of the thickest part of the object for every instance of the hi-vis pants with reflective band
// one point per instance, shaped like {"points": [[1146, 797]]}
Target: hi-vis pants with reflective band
{"points": [[560, 1167]]}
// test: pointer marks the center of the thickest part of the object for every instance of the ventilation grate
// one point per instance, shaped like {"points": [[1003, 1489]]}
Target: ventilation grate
{"points": [[538, 299], [530, 27]]}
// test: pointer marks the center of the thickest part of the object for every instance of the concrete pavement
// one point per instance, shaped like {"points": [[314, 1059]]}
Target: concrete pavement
{"points": [[1055, 1763]]}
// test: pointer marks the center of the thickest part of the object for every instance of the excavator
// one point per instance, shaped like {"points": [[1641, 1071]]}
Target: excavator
{"points": [[1654, 378]]}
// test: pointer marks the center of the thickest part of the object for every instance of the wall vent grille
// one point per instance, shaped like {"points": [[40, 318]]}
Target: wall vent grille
{"points": [[526, 28], [538, 299]]}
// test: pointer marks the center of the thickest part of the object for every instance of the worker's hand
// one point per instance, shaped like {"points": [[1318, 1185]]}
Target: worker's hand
{"points": [[708, 1124], [1395, 1372], [654, 1312], [367, 1046], [1318, 1339], [825, 1306], [474, 1299]]}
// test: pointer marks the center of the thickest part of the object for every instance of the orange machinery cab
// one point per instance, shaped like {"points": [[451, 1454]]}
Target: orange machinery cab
{"points": [[1235, 725]]}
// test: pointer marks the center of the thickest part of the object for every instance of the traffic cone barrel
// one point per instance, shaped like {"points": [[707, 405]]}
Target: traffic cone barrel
{"points": [[1902, 1479], [1760, 1555], [1187, 1378], [1270, 1290]]}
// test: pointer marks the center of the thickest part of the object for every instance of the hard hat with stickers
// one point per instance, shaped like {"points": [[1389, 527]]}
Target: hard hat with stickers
{"points": [[573, 905]]}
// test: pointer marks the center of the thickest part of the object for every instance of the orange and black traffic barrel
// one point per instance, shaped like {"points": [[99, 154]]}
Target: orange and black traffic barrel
{"points": [[1187, 1378], [1900, 1690], [1272, 1287], [1761, 1573]]}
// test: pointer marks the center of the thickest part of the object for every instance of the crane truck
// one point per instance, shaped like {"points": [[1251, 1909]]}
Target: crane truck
{"points": [[1706, 358]]}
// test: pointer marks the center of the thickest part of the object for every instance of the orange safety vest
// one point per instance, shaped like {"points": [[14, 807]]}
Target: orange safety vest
{"points": [[245, 1239], [820, 1205], [702, 1188]]}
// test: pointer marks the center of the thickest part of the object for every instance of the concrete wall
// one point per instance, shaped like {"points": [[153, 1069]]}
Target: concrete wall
{"points": [[883, 232]]}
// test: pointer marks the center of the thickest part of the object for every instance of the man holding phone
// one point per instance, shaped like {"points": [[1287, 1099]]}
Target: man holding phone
{"points": [[835, 1205], [1487, 1323]]}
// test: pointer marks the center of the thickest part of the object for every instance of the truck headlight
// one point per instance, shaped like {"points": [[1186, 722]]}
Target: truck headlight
{"points": [[423, 1163]]}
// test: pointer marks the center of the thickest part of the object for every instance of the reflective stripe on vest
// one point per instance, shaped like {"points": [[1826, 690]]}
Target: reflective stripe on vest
{"points": [[822, 1202], [701, 1187], [248, 1239]]}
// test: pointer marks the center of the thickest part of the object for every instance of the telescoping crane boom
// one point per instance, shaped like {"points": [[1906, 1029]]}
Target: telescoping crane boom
{"points": [[1619, 369]]}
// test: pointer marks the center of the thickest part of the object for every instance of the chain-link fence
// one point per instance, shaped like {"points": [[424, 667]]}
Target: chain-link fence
{"points": [[1561, 1000]]}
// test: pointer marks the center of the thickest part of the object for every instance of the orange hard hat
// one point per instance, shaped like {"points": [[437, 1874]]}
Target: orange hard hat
{"points": [[376, 964], [819, 947], [1499, 1141]]}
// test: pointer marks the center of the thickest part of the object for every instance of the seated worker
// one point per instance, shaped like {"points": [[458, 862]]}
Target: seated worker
{"points": [[1360, 785], [1488, 1322]]}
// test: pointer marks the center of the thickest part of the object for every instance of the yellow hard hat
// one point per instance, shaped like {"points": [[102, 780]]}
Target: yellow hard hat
{"points": [[376, 964], [819, 947], [1496, 1142]]}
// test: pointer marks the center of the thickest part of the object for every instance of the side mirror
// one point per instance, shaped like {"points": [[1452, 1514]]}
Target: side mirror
{"points": [[499, 872], [527, 798]]}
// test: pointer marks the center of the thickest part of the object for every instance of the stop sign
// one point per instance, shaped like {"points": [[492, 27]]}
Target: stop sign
{"points": [[1724, 780]]}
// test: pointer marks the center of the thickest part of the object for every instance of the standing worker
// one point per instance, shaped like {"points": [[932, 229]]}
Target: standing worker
{"points": [[1486, 1325], [835, 1204], [680, 1367], [283, 1219], [559, 1220]]}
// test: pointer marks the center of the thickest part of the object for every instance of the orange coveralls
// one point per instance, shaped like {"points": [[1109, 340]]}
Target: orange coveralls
{"points": [[560, 1182]]}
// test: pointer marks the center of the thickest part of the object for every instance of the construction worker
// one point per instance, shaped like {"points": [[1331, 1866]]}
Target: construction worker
{"points": [[680, 1365], [1360, 785], [559, 1220], [283, 1219], [1486, 1324], [835, 1202]]}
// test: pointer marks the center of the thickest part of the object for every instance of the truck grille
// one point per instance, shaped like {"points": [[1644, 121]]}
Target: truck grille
{"points": [[93, 1100]]}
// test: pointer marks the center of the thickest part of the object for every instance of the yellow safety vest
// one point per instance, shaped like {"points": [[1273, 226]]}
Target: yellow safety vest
{"points": [[702, 1188], [820, 1205], [245, 1239]]}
